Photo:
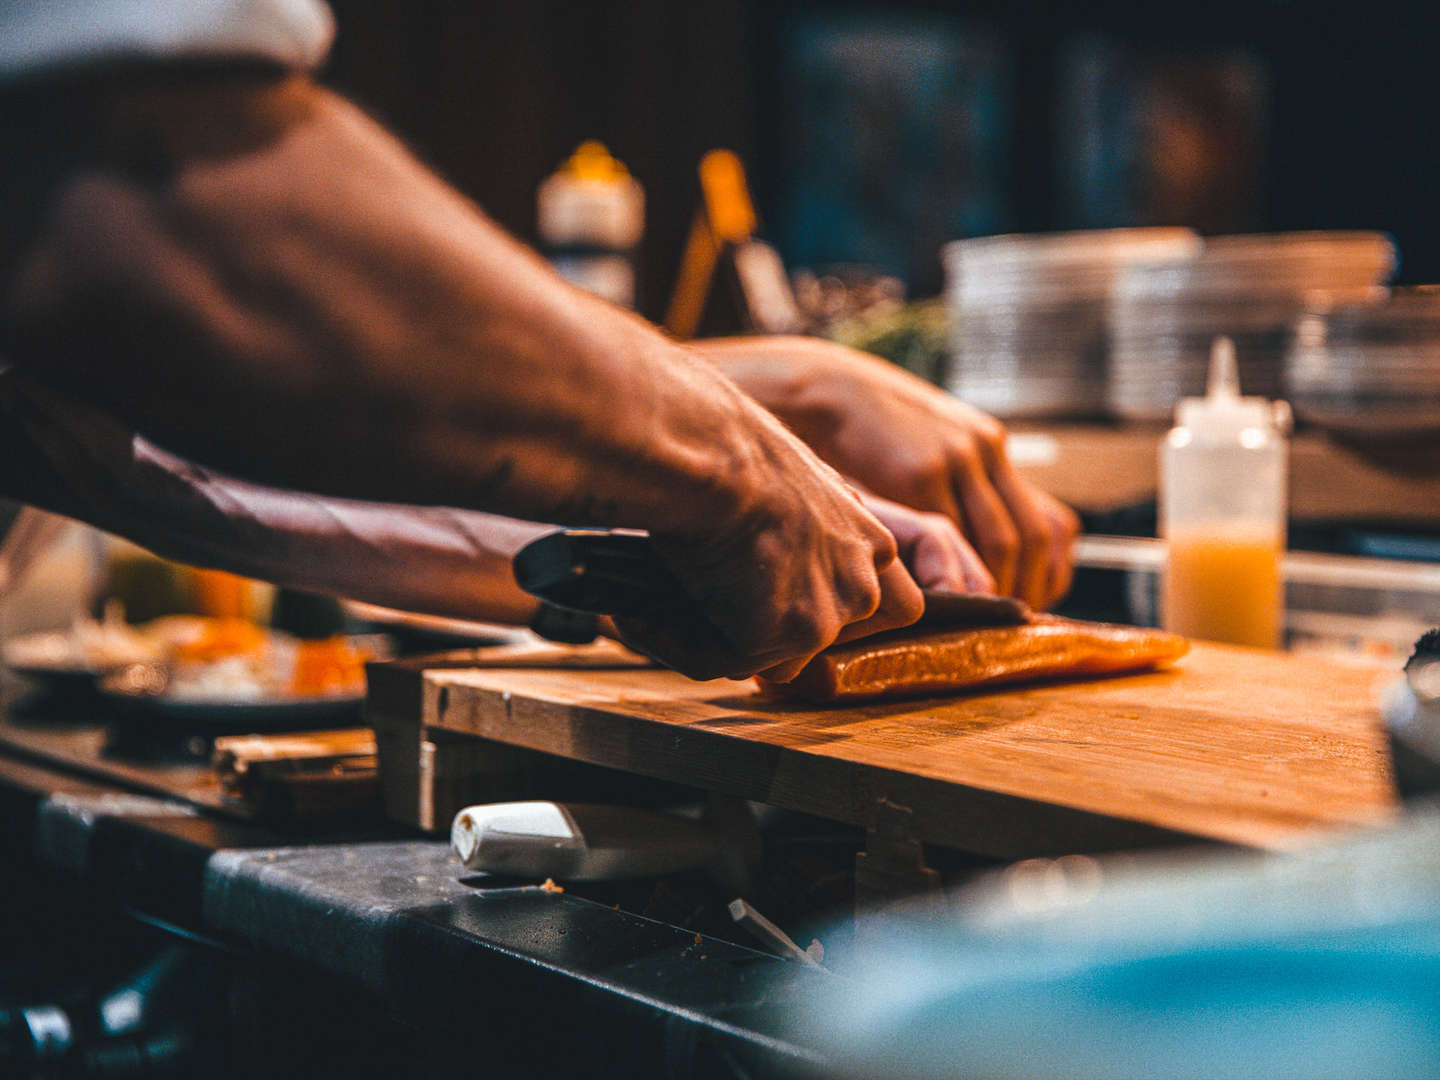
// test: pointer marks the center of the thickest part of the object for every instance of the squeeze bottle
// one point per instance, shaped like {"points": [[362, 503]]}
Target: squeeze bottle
{"points": [[591, 215], [1222, 512]]}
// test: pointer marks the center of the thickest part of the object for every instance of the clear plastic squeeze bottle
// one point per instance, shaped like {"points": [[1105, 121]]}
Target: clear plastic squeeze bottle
{"points": [[1222, 512], [591, 216]]}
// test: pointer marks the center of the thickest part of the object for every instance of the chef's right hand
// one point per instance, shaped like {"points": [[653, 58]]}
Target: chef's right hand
{"points": [[805, 565]]}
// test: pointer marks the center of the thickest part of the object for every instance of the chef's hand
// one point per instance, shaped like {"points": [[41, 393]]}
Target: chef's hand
{"points": [[911, 442], [802, 566], [931, 547]]}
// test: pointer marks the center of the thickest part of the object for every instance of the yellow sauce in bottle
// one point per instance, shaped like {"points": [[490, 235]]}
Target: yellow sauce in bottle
{"points": [[1225, 587]]}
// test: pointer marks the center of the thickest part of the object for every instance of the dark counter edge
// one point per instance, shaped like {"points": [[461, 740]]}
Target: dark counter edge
{"points": [[397, 919]]}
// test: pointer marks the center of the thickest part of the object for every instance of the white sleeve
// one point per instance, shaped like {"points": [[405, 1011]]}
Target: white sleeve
{"points": [[39, 37]]}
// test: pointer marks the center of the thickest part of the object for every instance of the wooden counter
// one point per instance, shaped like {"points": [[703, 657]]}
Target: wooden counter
{"points": [[1239, 746], [1100, 468]]}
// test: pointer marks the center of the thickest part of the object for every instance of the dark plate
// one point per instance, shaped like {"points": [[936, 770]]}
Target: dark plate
{"points": [[57, 676], [141, 690]]}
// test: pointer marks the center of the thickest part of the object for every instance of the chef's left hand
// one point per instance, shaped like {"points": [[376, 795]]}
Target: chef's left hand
{"points": [[931, 547], [906, 440]]}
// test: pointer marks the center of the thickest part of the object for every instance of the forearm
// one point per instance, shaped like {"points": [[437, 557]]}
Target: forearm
{"points": [[301, 302], [424, 559], [63, 457], [256, 277], [433, 560], [787, 375]]}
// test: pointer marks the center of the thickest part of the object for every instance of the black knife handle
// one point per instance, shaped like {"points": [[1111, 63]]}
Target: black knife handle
{"points": [[601, 572]]}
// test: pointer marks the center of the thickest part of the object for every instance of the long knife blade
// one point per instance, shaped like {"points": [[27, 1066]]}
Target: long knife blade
{"points": [[609, 572]]}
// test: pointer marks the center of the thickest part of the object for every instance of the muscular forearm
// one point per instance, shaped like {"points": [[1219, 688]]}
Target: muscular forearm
{"points": [[257, 277], [59, 455], [296, 299], [813, 385], [789, 380]]}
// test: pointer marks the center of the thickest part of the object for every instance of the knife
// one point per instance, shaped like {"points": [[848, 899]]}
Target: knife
{"points": [[619, 572]]}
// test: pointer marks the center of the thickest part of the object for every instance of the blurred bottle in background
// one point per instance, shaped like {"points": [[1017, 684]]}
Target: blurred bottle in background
{"points": [[1222, 512], [591, 216]]}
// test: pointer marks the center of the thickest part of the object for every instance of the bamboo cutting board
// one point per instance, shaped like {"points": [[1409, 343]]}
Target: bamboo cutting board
{"points": [[1234, 745]]}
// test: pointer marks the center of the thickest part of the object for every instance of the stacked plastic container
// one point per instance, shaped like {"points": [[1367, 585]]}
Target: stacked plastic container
{"points": [[1369, 368], [1251, 289], [1029, 315]]}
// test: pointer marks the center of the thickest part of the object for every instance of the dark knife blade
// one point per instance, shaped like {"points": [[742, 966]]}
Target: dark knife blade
{"points": [[608, 572], [952, 609]]}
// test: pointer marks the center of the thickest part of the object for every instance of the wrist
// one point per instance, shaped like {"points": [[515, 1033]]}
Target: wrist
{"points": [[714, 446], [794, 378]]}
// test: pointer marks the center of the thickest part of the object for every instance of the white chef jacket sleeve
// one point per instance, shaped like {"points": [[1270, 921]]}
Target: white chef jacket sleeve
{"points": [[52, 37]]}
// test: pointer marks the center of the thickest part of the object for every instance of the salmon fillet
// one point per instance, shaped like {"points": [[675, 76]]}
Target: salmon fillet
{"points": [[941, 661]]}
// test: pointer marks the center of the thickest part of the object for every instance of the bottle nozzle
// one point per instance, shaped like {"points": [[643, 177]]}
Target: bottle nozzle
{"points": [[1222, 413], [1224, 377]]}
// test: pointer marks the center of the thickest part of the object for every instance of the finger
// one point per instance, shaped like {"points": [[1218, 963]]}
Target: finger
{"points": [[940, 558], [1065, 524], [793, 665], [934, 561], [1038, 538], [1035, 523], [1049, 530], [785, 672], [933, 493], [929, 545], [901, 603], [974, 576], [988, 522]]}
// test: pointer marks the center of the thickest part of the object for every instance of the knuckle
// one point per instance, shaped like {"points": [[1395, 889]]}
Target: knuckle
{"points": [[872, 543], [1003, 545], [921, 471], [1035, 532], [967, 445], [910, 608], [857, 589], [865, 600], [805, 630], [939, 525], [929, 462], [991, 433], [883, 548], [1069, 523]]}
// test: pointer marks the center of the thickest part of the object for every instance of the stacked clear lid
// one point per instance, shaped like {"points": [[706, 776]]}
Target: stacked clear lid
{"points": [[1249, 288], [1029, 315], [1369, 368]]}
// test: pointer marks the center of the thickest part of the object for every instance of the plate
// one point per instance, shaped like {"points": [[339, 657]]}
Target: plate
{"points": [[57, 679], [56, 659], [141, 689]]}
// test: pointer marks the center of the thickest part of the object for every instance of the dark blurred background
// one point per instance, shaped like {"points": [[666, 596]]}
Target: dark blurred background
{"points": [[874, 133]]}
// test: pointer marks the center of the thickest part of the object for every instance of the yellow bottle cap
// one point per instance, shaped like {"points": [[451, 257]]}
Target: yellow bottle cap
{"points": [[592, 160]]}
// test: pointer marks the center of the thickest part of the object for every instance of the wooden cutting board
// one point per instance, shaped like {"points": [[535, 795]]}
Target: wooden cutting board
{"points": [[1240, 746]]}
